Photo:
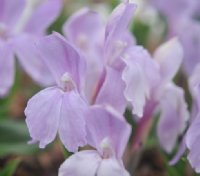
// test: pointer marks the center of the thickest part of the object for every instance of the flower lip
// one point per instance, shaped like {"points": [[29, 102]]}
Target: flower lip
{"points": [[67, 83]]}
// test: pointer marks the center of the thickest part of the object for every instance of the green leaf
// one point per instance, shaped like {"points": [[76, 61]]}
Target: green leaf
{"points": [[10, 168], [141, 32], [13, 138]]}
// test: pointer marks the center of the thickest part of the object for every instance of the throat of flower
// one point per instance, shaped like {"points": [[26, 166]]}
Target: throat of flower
{"points": [[67, 83], [26, 14], [106, 148]]}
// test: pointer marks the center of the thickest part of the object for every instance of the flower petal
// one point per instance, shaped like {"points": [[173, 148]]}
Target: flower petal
{"points": [[190, 44], [7, 68], [116, 33], [10, 11], [194, 154], [107, 123], [194, 87], [110, 167], [192, 142], [141, 76], [83, 28], [169, 56], [72, 121], [111, 92], [181, 150], [45, 14], [174, 116], [193, 133], [43, 115], [61, 57], [119, 19], [84, 163], [29, 57], [173, 8], [61, 112]]}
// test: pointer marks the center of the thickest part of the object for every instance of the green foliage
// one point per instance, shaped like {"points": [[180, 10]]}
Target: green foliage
{"points": [[58, 24], [114, 3], [13, 138], [141, 32], [10, 168]]}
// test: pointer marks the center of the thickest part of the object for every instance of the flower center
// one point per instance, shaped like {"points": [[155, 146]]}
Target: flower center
{"points": [[106, 147], [67, 83]]}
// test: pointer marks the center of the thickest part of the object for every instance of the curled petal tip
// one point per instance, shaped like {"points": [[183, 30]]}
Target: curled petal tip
{"points": [[42, 145]]}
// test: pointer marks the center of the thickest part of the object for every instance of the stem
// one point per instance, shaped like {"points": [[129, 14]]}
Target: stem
{"points": [[142, 129], [141, 135]]}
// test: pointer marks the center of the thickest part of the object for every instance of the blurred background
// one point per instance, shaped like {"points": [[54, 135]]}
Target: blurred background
{"points": [[20, 159]]}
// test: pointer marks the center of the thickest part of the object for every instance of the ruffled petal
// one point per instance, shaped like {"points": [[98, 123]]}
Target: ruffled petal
{"points": [[141, 76], [84, 163]]}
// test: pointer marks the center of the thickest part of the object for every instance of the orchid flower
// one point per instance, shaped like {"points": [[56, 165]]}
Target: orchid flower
{"points": [[22, 22], [97, 72], [63, 105], [134, 86], [149, 84], [66, 111], [69, 70], [102, 44], [106, 160], [169, 96]]}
